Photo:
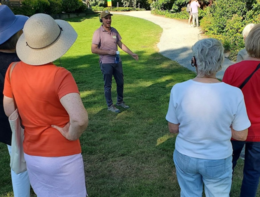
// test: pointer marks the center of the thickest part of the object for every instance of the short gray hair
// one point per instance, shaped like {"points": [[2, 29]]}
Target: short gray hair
{"points": [[209, 54], [253, 42], [247, 29]]}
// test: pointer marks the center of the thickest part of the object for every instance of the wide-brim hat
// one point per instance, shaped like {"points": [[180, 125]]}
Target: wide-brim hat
{"points": [[10, 24], [44, 40], [105, 13]]}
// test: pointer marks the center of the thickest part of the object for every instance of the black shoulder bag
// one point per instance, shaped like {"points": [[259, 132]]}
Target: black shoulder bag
{"points": [[247, 79]]}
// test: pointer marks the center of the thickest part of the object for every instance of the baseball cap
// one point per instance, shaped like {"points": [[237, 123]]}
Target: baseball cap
{"points": [[105, 13]]}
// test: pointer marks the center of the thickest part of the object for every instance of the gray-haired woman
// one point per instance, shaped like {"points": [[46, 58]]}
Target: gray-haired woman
{"points": [[206, 113], [242, 54]]}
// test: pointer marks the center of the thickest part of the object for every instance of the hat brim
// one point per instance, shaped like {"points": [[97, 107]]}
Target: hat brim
{"points": [[51, 53], [13, 29]]}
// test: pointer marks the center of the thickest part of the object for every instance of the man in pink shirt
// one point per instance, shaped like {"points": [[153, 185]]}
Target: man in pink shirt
{"points": [[195, 12], [105, 42]]}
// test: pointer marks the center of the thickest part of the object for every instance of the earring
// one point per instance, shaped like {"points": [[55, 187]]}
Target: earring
{"points": [[193, 62]]}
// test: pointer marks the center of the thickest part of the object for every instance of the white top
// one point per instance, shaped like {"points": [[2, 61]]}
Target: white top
{"points": [[194, 7], [205, 112]]}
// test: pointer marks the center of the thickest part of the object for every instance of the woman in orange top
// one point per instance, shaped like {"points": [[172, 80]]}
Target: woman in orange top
{"points": [[50, 107]]}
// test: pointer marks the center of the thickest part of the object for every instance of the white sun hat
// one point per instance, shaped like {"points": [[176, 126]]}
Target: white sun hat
{"points": [[44, 39]]}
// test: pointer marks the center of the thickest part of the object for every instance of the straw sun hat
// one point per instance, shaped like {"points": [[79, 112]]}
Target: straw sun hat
{"points": [[44, 39]]}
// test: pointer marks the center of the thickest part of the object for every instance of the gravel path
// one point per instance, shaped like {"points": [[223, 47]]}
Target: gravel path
{"points": [[176, 40]]}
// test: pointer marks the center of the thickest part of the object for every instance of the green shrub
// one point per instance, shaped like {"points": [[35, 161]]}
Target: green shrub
{"points": [[97, 8], [178, 15], [234, 30], [55, 7], [140, 9], [108, 8], [184, 9], [69, 6], [204, 12], [31, 7], [82, 7], [22, 11], [206, 23], [229, 8], [122, 9], [253, 15]]}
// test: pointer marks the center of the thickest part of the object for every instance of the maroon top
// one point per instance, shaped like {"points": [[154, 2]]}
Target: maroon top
{"points": [[107, 41]]}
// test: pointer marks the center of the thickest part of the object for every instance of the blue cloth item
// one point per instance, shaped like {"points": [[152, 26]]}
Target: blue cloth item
{"points": [[192, 173], [108, 71], [251, 166], [20, 182], [10, 24]]}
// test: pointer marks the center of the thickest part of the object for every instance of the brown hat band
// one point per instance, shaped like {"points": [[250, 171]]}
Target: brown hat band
{"points": [[48, 44]]}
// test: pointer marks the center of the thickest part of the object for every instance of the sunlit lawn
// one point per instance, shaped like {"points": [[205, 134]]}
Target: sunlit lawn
{"points": [[127, 154]]}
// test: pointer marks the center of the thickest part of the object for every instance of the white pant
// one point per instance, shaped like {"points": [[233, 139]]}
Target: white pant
{"points": [[195, 17], [21, 183]]}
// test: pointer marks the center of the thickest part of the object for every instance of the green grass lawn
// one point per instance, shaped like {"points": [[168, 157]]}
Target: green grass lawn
{"points": [[127, 154]]}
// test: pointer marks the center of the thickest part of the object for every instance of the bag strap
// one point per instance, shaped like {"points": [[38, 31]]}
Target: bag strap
{"points": [[247, 79], [10, 73], [2, 77]]}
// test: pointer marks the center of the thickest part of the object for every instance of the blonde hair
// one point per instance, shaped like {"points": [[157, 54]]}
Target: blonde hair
{"points": [[253, 42], [247, 29], [209, 54]]}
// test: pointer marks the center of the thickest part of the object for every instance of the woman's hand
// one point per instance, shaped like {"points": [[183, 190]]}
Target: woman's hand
{"points": [[64, 130], [78, 116]]}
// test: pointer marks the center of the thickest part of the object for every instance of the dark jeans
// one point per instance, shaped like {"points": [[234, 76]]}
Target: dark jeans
{"points": [[251, 166], [108, 71]]}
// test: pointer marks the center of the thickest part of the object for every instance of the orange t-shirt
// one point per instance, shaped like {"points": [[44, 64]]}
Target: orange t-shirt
{"points": [[37, 91]]}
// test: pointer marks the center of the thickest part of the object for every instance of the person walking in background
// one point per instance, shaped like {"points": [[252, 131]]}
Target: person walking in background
{"points": [[236, 75], [10, 29], [206, 113], [105, 42], [242, 54], [50, 108], [189, 11], [195, 12]]}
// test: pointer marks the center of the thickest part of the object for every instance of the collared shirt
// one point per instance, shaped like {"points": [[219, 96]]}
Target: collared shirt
{"points": [[106, 41]]}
